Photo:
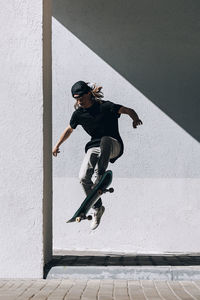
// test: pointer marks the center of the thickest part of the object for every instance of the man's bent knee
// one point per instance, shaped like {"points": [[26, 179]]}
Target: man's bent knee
{"points": [[85, 177], [106, 139]]}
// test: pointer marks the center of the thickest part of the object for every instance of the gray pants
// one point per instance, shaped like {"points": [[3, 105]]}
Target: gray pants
{"points": [[96, 161]]}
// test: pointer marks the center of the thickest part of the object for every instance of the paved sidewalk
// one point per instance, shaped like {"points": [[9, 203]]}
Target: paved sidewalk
{"points": [[98, 290]]}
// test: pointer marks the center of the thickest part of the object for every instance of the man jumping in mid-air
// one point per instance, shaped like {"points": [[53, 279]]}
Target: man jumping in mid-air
{"points": [[99, 119]]}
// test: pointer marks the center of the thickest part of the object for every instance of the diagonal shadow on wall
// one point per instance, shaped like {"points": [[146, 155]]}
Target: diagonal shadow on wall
{"points": [[154, 44]]}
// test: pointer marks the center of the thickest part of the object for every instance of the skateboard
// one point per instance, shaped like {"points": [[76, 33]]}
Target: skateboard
{"points": [[91, 199]]}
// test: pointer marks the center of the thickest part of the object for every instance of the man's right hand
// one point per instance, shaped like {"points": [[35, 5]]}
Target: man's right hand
{"points": [[55, 151], [63, 137]]}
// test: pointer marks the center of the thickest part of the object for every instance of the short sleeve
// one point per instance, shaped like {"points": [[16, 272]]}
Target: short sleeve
{"points": [[74, 120], [114, 108]]}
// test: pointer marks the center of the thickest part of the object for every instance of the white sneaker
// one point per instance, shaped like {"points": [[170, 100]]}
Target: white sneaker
{"points": [[96, 218]]}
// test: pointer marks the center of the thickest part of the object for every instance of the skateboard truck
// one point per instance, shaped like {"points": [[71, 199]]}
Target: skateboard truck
{"points": [[110, 190], [80, 218]]}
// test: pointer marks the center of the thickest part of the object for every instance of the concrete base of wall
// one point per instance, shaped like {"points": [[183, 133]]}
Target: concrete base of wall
{"points": [[126, 273], [105, 265]]}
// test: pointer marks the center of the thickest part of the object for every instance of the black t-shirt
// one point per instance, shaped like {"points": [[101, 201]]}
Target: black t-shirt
{"points": [[101, 119]]}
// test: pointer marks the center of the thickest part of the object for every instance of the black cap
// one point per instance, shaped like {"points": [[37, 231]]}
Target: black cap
{"points": [[80, 88]]}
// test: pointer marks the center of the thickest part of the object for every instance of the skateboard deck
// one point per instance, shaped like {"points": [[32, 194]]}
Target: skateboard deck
{"points": [[91, 199]]}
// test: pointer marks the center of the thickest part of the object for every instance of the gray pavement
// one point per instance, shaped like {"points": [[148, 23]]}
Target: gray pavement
{"points": [[68, 289]]}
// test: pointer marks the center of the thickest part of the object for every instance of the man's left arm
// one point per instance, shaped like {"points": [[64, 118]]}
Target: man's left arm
{"points": [[132, 114]]}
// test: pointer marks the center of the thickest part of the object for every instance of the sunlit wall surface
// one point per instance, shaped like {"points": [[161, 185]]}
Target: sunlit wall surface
{"points": [[144, 54]]}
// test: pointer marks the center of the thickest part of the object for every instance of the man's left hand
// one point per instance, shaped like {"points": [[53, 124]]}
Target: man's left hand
{"points": [[136, 123]]}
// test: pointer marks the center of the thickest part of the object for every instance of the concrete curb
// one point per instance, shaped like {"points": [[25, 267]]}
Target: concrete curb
{"points": [[173, 273]]}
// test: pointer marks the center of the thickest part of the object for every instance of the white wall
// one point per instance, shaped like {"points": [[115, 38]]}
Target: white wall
{"points": [[23, 172], [142, 216], [155, 206]]}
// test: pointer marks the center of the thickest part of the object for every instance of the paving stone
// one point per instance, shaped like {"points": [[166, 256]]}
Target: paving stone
{"points": [[179, 291], [135, 290], [106, 290], [2, 283], [46, 290], [62, 290], [120, 290], [150, 290], [197, 283], [91, 290], [191, 288], [164, 290], [13, 288], [22, 287], [30, 292], [77, 290], [10, 296], [8, 284]]}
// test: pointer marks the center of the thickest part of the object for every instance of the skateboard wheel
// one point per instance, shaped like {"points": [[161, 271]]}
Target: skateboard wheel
{"points": [[99, 192], [111, 190], [78, 219], [89, 217]]}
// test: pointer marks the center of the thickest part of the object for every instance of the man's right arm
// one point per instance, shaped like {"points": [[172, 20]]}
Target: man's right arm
{"points": [[63, 138]]}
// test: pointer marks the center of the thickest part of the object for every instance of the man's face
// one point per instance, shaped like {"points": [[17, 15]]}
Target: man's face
{"points": [[84, 101]]}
